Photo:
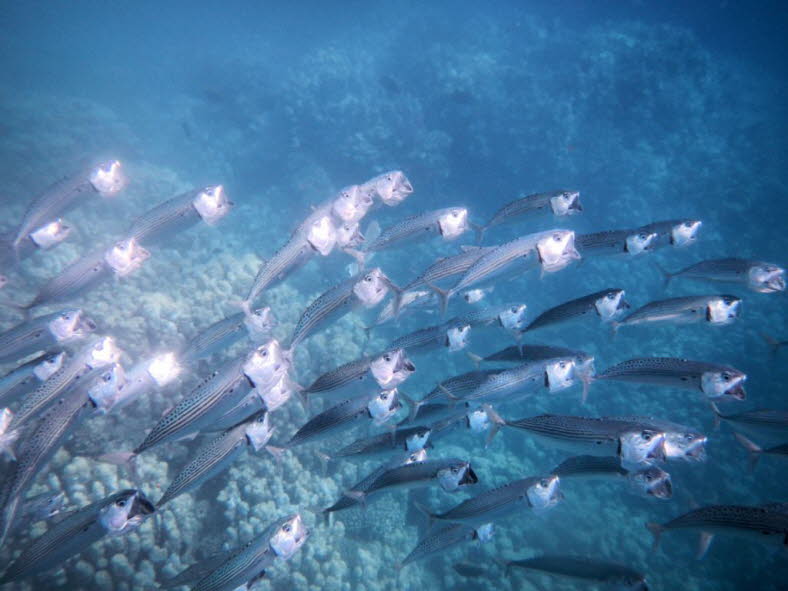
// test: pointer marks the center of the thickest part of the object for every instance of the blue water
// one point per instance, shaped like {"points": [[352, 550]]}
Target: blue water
{"points": [[651, 111]]}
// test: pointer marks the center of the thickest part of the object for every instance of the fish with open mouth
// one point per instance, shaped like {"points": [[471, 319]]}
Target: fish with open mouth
{"points": [[756, 276]]}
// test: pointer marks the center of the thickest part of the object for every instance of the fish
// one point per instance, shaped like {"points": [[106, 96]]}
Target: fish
{"points": [[170, 217], [715, 381], [366, 289], [44, 333], [616, 242], [447, 267], [650, 481], [346, 502], [760, 422], [756, 451], [392, 187], [266, 365], [351, 204], [756, 276], [474, 296], [535, 493], [249, 562], [409, 301], [106, 179], [636, 445], [218, 454], [41, 507], [455, 387], [510, 317], [125, 257], [452, 334], [606, 305], [389, 369], [449, 223], [681, 442], [41, 442], [767, 525], [224, 333], [115, 515], [409, 439], [379, 407], [560, 203], [552, 250], [46, 237], [469, 570], [677, 233], [533, 352], [28, 376], [441, 538], [716, 310], [451, 474], [99, 353], [581, 568]]}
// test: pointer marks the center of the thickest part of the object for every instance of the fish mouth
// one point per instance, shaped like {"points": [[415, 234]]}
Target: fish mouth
{"points": [[410, 367], [470, 477], [737, 392], [142, 506], [623, 305], [664, 490]]}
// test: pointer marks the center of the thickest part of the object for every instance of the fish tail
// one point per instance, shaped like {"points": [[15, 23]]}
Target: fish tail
{"points": [[614, 326], [424, 510], [478, 232], [325, 461], [497, 422], [277, 452], [357, 495], [752, 448], [359, 256], [413, 405], [476, 359], [656, 531], [666, 275], [717, 415], [443, 297], [587, 379]]}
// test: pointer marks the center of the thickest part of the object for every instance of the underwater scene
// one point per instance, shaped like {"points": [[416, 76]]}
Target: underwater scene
{"points": [[393, 295]]}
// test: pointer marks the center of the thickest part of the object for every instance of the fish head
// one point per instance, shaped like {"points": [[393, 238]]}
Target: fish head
{"points": [[726, 382], [640, 242], [259, 323], [49, 365], [53, 505], [391, 368], [351, 204], [560, 374], [455, 475], [545, 493], [106, 387], [384, 405], [392, 187], [566, 203], [458, 337], [723, 310], [266, 364], [485, 532], [685, 444], [66, 325], [288, 537], [641, 446], [349, 235], [125, 511], [651, 481], [557, 250], [453, 223], [372, 287], [473, 295], [478, 421], [107, 178], [126, 257], [258, 430], [50, 234], [212, 203], [103, 352], [84, 327], [322, 235], [513, 317], [164, 368], [611, 305], [278, 394], [766, 278], [417, 456], [685, 232], [417, 440], [584, 366]]}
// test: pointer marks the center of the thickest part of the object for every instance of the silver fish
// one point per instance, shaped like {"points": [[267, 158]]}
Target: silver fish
{"points": [[530, 353], [448, 266], [755, 275], [226, 332], [650, 481], [40, 444], [764, 524], [681, 442], [366, 289], [28, 376], [408, 439], [584, 569], [452, 334], [392, 187], [280, 541], [45, 332], [762, 422], [552, 250], [756, 451], [713, 309], [442, 538], [117, 514], [616, 242], [389, 369], [379, 407], [294, 254], [674, 232], [456, 387], [510, 317], [218, 454], [41, 507], [73, 280], [450, 223], [96, 355], [409, 301], [105, 179], [560, 203], [180, 213], [605, 305], [535, 493], [712, 379]]}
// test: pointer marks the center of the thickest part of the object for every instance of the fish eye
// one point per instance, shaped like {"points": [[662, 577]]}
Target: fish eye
{"points": [[384, 396], [287, 527], [646, 435], [120, 503], [387, 358], [454, 469], [264, 353], [562, 364], [611, 296], [514, 309], [107, 377], [544, 483], [649, 477], [689, 437], [726, 377], [368, 278], [642, 236], [557, 237], [687, 224]]}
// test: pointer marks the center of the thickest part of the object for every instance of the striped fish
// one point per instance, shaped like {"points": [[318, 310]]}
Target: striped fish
{"points": [[44, 332]]}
